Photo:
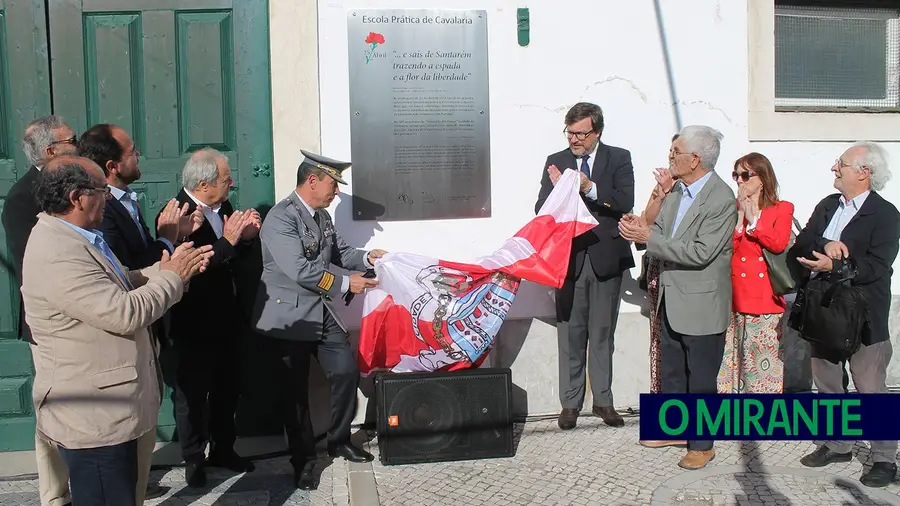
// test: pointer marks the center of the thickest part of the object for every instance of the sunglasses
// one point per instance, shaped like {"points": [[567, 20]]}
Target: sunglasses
{"points": [[745, 176]]}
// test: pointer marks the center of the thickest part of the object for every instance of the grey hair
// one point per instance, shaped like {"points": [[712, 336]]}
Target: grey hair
{"points": [[201, 167], [39, 136], [876, 160], [703, 141]]}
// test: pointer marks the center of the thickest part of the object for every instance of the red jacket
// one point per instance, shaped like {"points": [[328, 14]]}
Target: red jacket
{"points": [[751, 288]]}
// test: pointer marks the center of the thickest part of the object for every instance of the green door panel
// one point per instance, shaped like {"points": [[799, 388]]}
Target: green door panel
{"points": [[24, 96], [179, 75]]}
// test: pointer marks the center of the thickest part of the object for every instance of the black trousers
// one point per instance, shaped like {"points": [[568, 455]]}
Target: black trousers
{"points": [[103, 476], [289, 361], [207, 382], [689, 365]]}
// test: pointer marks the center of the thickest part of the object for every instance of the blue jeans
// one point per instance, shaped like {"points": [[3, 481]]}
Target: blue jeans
{"points": [[103, 476]]}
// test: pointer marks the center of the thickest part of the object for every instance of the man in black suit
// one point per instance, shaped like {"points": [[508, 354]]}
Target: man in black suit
{"points": [[45, 138], [857, 226], [206, 325], [587, 305], [124, 227], [130, 240]]}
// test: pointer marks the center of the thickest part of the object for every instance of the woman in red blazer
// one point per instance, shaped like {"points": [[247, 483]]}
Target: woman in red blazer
{"points": [[753, 361]]}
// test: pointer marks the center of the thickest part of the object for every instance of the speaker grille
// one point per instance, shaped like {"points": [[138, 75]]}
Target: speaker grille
{"points": [[430, 417]]}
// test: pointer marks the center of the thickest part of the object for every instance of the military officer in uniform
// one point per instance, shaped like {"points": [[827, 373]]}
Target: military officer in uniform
{"points": [[295, 310]]}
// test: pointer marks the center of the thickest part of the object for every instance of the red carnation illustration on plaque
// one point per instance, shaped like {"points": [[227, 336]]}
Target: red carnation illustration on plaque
{"points": [[374, 39]]}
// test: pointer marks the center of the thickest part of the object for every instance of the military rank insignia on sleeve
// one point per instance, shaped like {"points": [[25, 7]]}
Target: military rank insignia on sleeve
{"points": [[327, 281]]}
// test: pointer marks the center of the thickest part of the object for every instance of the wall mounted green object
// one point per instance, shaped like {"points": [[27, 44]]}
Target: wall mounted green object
{"points": [[523, 23]]}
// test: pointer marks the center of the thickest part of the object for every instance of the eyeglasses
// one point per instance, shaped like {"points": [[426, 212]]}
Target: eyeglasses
{"points": [[578, 135], [70, 140], [745, 176], [105, 189], [672, 152]]}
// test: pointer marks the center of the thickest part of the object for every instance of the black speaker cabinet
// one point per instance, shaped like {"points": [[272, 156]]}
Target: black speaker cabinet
{"points": [[444, 416]]}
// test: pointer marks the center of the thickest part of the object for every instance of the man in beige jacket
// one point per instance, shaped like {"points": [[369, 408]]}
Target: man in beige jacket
{"points": [[97, 385]]}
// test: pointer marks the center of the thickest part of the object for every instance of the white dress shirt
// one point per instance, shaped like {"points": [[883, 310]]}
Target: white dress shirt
{"points": [[210, 213], [845, 212]]}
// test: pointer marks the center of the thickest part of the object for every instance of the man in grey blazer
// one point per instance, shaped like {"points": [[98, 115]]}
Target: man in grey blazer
{"points": [[692, 236], [295, 310]]}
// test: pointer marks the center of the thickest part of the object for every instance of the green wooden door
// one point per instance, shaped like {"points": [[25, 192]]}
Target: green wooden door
{"points": [[179, 75], [24, 96]]}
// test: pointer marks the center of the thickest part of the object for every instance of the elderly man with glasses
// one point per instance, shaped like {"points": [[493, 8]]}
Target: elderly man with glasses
{"points": [[856, 226], [45, 139], [587, 305]]}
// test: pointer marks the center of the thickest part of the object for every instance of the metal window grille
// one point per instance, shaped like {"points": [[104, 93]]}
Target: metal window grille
{"points": [[844, 59]]}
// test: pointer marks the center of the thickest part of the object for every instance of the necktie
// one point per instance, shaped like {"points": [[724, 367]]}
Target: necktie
{"points": [[130, 201], [104, 248], [584, 165]]}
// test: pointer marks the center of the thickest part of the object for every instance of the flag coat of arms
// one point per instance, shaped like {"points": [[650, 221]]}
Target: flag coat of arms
{"points": [[428, 314]]}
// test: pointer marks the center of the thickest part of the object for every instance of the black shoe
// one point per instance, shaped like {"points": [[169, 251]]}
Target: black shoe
{"points": [[155, 492], [306, 479], [881, 475], [195, 475], [823, 456], [350, 452], [230, 460]]}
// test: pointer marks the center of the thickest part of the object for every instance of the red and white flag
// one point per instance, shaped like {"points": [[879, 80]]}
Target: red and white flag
{"points": [[429, 314]]}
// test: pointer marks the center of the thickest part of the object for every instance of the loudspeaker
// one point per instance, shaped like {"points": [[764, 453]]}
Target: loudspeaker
{"points": [[444, 416]]}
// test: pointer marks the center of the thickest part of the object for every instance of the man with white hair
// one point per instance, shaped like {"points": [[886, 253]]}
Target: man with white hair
{"points": [[858, 227], [45, 139], [206, 326], [692, 238]]}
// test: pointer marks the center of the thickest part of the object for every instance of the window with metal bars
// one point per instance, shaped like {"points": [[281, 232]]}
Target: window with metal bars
{"points": [[837, 56]]}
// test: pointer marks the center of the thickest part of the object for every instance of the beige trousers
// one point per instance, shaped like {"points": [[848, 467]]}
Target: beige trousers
{"points": [[53, 475], [145, 446]]}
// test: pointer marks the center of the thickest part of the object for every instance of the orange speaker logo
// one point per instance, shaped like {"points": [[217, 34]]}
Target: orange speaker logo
{"points": [[393, 421]]}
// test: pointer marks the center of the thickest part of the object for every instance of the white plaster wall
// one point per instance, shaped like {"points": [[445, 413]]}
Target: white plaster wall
{"points": [[604, 51]]}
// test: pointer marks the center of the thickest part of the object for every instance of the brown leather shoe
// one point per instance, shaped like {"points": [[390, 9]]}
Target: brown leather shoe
{"points": [[697, 459], [567, 418], [609, 415], [662, 444]]}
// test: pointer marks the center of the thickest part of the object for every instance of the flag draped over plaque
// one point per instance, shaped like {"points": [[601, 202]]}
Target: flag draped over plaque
{"points": [[429, 314]]}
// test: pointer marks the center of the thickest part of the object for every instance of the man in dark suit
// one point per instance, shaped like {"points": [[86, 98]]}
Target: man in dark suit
{"points": [[860, 227], [207, 324], [129, 238], [587, 305], [45, 139], [124, 227]]}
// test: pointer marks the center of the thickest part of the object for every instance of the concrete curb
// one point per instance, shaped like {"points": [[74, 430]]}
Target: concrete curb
{"points": [[363, 490]]}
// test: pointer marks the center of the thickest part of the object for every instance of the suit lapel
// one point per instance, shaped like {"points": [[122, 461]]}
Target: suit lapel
{"points": [[601, 161], [307, 218], [694, 210], [128, 225], [867, 208], [671, 204]]}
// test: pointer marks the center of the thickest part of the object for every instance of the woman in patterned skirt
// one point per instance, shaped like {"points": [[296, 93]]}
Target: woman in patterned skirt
{"points": [[664, 184], [753, 361]]}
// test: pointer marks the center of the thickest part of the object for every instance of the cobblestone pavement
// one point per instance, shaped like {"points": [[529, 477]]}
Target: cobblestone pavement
{"points": [[592, 465], [269, 485], [598, 465]]}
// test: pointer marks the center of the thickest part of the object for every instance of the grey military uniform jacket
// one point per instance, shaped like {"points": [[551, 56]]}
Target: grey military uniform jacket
{"points": [[695, 261], [297, 284]]}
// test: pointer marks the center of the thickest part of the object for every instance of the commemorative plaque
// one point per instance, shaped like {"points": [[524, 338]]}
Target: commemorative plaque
{"points": [[419, 120]]}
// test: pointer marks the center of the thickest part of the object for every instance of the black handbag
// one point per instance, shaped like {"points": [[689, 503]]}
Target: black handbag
{"points": [[831, 313], [779, 274]]}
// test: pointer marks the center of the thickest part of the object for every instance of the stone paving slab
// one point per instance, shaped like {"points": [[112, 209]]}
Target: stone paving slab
{"points": [[595, 464], [591, 465], [269, 485]]}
